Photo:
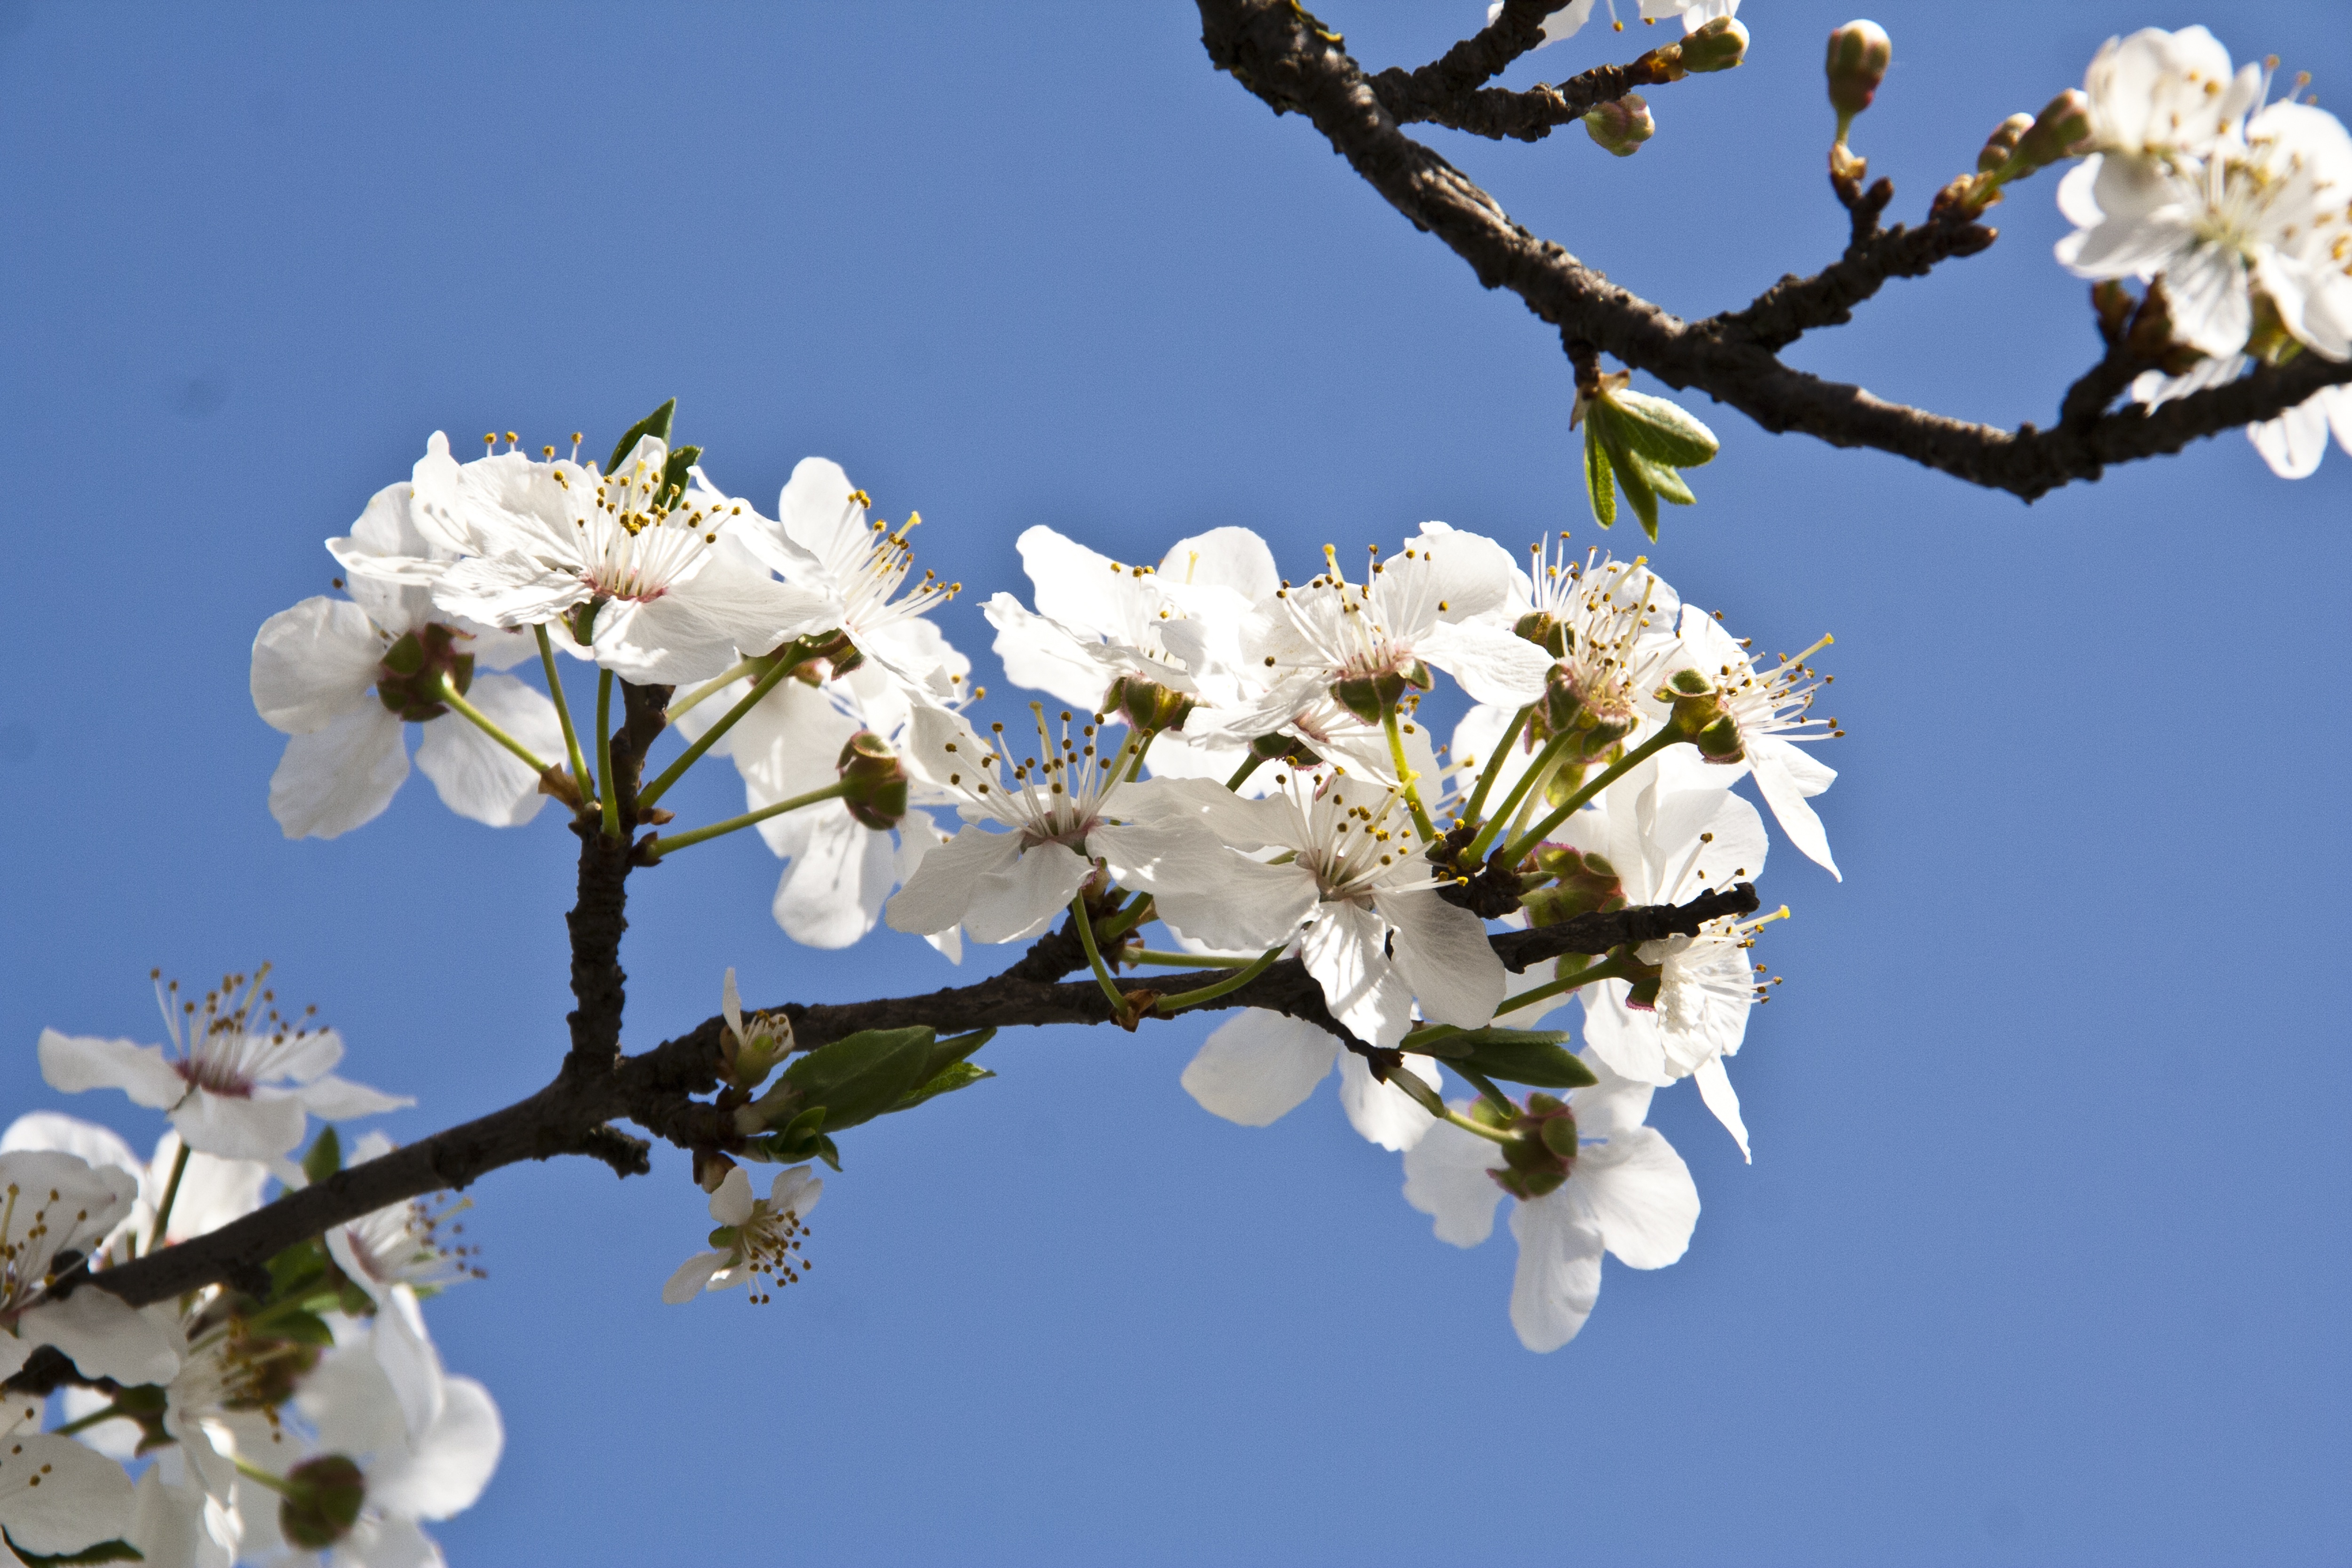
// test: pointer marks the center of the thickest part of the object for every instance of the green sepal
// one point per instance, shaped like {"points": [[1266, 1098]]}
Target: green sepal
{"points": [[962, 1075], [1662, 432], [325, 1156], [656, 425], [863, 1076], [104, 1551], [1532, 1057], [1599, 484]]}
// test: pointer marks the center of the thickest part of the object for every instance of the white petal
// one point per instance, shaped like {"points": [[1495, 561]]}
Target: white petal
{"points": [[1259, 1066], [2211, 309], [1626, 1040], [692, 632], [693, 1277], [1558, 1277], [2293, 443], [1204, 891], [212, 1191], [1640, 1193], [410, 1364], [257, 1127], [333, 1098], [1046, 656], [450, 1464], [1382, 1113], [1344, 950], [940, 893], [732, 1203], [475, 777], [1230, 558], [313, 663], [72, 1063], [1442, 952], [333, 780], [58, 1497], [1777, 779], [1022, 898], [1492, 664], [1446, 1176], [1715, 1088], [104, 1336], [509, 589], [796, 1188]]}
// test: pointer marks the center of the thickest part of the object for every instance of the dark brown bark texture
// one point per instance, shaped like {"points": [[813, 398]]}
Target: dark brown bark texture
{"points": [[1298, 65], [657, 1089]]}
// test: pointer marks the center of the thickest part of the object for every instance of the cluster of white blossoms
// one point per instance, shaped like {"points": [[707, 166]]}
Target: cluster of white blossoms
{"points": [[1232, 757], [2240, 209], [301, 1416]]}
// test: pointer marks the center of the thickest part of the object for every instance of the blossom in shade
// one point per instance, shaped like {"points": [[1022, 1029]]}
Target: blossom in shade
{"points": [[1626, 1193], [55, 1211], [56, 1497], [212, 1190], [240, 1078]]}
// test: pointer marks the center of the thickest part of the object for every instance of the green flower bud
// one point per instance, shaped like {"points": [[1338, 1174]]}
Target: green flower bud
{"points": [[1582, 884], [1367, 697], [1147, 705], [1542, 1151], [1565, 709], [1717, 47], [321, 1501], [1859, 54], [1620, 126], [877, 783], [2003, 141], [409, 677], [1700, 716]]}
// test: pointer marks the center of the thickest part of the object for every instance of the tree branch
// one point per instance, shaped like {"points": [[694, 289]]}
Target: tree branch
{"points": [[1279, 53]]}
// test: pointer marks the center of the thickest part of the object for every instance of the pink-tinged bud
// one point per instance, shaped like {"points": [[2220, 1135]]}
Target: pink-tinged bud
{"points": [[2061, 131], [2003, 141], [1859, 54], [1717, 47], [1621, 125], [876, 793]]}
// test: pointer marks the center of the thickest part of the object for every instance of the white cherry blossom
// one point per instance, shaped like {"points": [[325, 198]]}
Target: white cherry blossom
{"points": [[756, 1237], [1569, 18], [1773, 712], [56, 1497], [238, 1079], [212, 1192], [1258, 1066], [2157, 94], [1627, 1193], [52, 1205]]}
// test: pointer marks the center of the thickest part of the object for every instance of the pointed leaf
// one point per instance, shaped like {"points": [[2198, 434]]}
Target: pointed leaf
{"points": [[1639, 493], [325, 1156], [1664, 432], [1599, 485], [962, 1075], [861, 1076], [674, 475], [656, 423]]}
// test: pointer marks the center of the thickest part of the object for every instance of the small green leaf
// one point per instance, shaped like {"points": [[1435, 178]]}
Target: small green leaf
{"points": [[675, 475], [1599, 484], [1662, 432], [656, 425], [104, 1551], [294, 1272], [962, 1075], [863, 1076], [302, 1328], [1663, 479], [1532, 1057], [1639, 493], [325, 1156]]}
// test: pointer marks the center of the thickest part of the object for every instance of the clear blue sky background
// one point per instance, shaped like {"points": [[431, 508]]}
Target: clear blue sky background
{"points": [[2043, 1254]]}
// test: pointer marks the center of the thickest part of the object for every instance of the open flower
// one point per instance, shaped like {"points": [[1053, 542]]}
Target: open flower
{"points": [[755, 1237], [650, 563], [238, 1080], [1625, 1192], [1772, 710], [212, 1190], [1258, 1066], [2158, 94], [1353, 875], [52, 1207], [1565, 22], [56, 1497]]}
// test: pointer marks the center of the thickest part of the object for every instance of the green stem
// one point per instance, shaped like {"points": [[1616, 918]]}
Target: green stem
{"points": [[1182, 960], [1429, 1099], [604, 753], [669, 841], [563, 715], [1427, 1034], [1491, 1134], [1093, 954], [1585, 976], [1406, 777], [1502, 813], [104, 1413], [1623, 766], [1493, 768], [255, 1473], [483, 722], [1241, 774], [736, 671], [1234, 982], [788, 658], [1143, 744], [170, 1195], [1127, 919]]}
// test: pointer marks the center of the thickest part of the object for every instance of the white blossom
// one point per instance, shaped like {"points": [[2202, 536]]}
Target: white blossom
{"points": [[1772, 710], [1565, 22], [56, 1497], [212, 1192], [51, 1205], [1258, 1066], [756, 1237]]}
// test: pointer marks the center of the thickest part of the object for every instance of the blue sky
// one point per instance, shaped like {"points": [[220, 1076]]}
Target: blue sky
{"points": [[2042, 1255]]}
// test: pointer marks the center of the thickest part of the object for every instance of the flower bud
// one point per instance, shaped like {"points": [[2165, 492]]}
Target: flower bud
{"points": [[1621, 125], [1859, 54], [1582, 884], [877, 793], [2002, 143], [321, 1501], [1544, 629], [1536, 1161], [408, 680], [1146, 704], [1700, 716], [1716, 46], [2062, 129], [1565, 709], [1367, 697]]}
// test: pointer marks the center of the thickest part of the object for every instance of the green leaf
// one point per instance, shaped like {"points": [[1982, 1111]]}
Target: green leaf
{"points": [[1639, 494], [1662, 432], [962, 1075], [863, 1076], [325, 1156], [104, 1551], [1663, 479], [295, 1271], [302, 1328], [953, 1050], [673, 473], [1599, 484], [656, 423], [1532, 1057]]}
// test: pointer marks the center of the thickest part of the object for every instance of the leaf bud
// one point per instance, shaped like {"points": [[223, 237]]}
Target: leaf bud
{"points": [[409, 677], [1859, 54], [2062, 129], [877, 783], [2002, 143], [1620, 126], [1718, 45], [321, 1501], [1147, 705]]}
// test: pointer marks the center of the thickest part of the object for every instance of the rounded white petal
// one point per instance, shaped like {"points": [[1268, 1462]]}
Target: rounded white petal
{"points": [[831, 894], [937, 896], [796, 1188], [335, 779], [1445, 1177], [1024, 896], [509, 589], [450, 1463], [255, 1127], [1558, 1277], [693, 1277], [1640, 1195], [732, 1203], [1715, 1088], [1258, 1066], [1345, 950], [104, 1336], [312, 664], [475, 777], [2293, 443], [72, 1063], [1382, 1113], [58, 1497], [1442, 952]]}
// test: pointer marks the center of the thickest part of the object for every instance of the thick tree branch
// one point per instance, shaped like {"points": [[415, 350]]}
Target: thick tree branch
{"points": [[1281, 55]]}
